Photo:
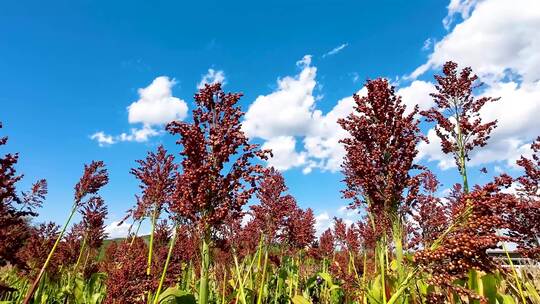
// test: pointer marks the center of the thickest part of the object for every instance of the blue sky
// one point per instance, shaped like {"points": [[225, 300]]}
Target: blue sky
{"points": [[70, 69]]}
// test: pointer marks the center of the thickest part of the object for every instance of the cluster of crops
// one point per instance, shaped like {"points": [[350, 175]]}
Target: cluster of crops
{"points": [[206, 246]]}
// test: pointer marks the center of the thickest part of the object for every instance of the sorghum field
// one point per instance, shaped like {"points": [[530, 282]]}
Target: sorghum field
{"points": [[411, 246]]}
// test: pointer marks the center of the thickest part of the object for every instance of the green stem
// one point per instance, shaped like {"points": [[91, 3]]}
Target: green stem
{"points": [[164, 272], [80, 253], [136, 232], [382, 265], [398, 242], [205, 265], [53, 249], [263, 278], [514, 273], [151, 247]]}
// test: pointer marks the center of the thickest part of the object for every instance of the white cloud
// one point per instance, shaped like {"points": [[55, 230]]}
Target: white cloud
{"points": [[138, 135], [427, 44], [156, 105], [462, 7], [135, 135], [114, 230], [325, 219], [417, 93], [498, 37], [212, 77], [284, 151], [432, 152], [335, 50], [288, 110], [102, 138], [322, 222]]}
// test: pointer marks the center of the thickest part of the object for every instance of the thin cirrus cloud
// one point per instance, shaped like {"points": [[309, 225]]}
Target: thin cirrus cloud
{"points": [[155, 107], [335, 50], [499, 40]]}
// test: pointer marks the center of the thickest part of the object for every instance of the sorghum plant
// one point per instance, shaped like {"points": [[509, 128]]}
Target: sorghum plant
{"points": [[218, 176], [457, 115], [526, 219], [270, 215], [380, 151], [15, 211], [156, 174], [465, 247], [94, 177]]}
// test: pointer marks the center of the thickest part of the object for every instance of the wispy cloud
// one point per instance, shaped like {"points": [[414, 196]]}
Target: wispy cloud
{"points": [[335, 50], [211, 77]]}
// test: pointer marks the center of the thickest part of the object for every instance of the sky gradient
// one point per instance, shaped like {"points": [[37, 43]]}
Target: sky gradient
{"points": [[97, 80]]}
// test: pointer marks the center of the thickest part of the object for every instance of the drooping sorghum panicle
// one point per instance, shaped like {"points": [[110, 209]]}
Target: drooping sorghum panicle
{"points": [[271, 214], [213, 185], [457, 113], [35, 197], [526, 218], [94, 178], [93, 221], [380, 151], [465, 247]]}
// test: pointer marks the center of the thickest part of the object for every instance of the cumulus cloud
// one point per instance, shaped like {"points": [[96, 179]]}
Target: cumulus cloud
{"points": [[288, 110], [499, 40], [155, 107], [284, 150], [113, 230], [211, 77], [302, 136], [335, 50], [417, 93], [289, 113]]}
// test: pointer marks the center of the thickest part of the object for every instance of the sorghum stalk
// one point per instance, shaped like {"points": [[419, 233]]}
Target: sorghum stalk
{"points": [[53, 249], [151, 247], [205, 265], [164, 272]]}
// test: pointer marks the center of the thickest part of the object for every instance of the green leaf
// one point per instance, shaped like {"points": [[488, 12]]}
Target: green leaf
{"points": [[175, 295], [506, 299], [489, 287], [532, 292], [298, 299]]}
